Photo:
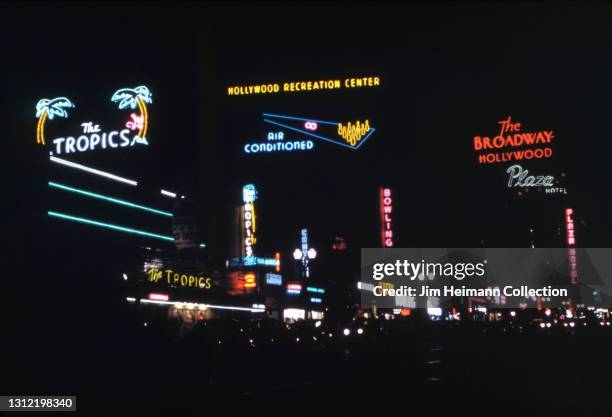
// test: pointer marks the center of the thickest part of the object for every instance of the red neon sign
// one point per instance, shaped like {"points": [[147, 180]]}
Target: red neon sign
{"points": [[158, 297], [571, 245], [277, 256], [386, 207], [512, 144], [296, 287]]}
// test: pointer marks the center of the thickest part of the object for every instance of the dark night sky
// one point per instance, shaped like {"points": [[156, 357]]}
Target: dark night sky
{"points": [[449, 71]]}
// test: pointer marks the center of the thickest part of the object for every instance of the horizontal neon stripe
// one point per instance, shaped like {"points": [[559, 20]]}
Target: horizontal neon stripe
{"points": [[111, 199], [109, 226], [92, 170]]}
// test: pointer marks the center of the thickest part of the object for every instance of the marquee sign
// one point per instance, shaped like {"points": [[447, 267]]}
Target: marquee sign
{"points": [[511, 144], [92, 135]]}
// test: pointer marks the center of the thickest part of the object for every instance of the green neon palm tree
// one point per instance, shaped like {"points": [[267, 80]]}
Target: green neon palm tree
{"points": [[50, 108], [132, 98]]}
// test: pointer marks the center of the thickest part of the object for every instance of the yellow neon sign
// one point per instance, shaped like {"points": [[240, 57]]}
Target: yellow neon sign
{"points": [[353, 133], [300, 86], [176, 278]]}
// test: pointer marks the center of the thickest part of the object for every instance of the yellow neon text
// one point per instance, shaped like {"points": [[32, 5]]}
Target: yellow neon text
{"points": [[175, 278], [299, 86]]}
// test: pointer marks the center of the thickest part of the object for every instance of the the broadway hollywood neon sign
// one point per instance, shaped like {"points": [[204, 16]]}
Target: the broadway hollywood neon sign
{"points": [[512, 144], [92, 136]]}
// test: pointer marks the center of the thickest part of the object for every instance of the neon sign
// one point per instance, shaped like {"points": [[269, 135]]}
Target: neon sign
{"points": [[276, 143], [519, 178], [511, 137], [177, 278], [95, 140], [299, 86], [305, 254], [249, 195], [49, 108], [92, 137], [294, 289], [249, 280], [159, 297], [348, 135], [274, 279], [132, 98], [353, 133], [386, 207], [571, 245]]}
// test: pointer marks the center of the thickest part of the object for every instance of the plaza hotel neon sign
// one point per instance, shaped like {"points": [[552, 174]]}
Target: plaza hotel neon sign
{"points": [[92, 137], [571, 245]]}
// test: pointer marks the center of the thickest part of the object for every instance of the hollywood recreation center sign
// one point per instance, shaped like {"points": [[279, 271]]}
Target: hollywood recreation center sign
{"points": [[515, 146], [300, 133], [92, 136]]}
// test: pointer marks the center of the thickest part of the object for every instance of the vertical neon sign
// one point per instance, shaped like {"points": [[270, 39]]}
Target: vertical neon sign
{"points": [[571, 245], [386, 207], [304, 240], [249, 195]]}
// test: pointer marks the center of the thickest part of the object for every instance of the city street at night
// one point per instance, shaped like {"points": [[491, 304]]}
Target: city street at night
{"points": [[306, 209]]}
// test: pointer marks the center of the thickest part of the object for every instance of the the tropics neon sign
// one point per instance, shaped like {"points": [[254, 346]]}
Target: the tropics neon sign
{"points": [[92, 137], [249, 195]]}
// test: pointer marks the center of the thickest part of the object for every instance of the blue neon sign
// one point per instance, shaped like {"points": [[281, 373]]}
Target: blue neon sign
{"points": [[274, 279]]}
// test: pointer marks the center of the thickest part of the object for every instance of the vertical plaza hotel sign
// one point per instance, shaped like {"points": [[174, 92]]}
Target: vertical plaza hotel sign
{"points": [[94, 135], [571, 245]]}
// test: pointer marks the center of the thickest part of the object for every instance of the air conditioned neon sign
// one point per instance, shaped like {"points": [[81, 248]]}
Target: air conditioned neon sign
{"points": [[277, 143], [352, 135], [386, 208], [92, 137]]}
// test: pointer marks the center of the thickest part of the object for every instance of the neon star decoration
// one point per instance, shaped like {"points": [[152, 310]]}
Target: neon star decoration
{"points": [[48, 109], [350, 135], [132, 98]]}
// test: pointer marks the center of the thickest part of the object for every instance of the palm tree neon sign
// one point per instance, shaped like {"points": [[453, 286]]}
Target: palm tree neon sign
{"points": [[132, 97], [49, 108]]}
